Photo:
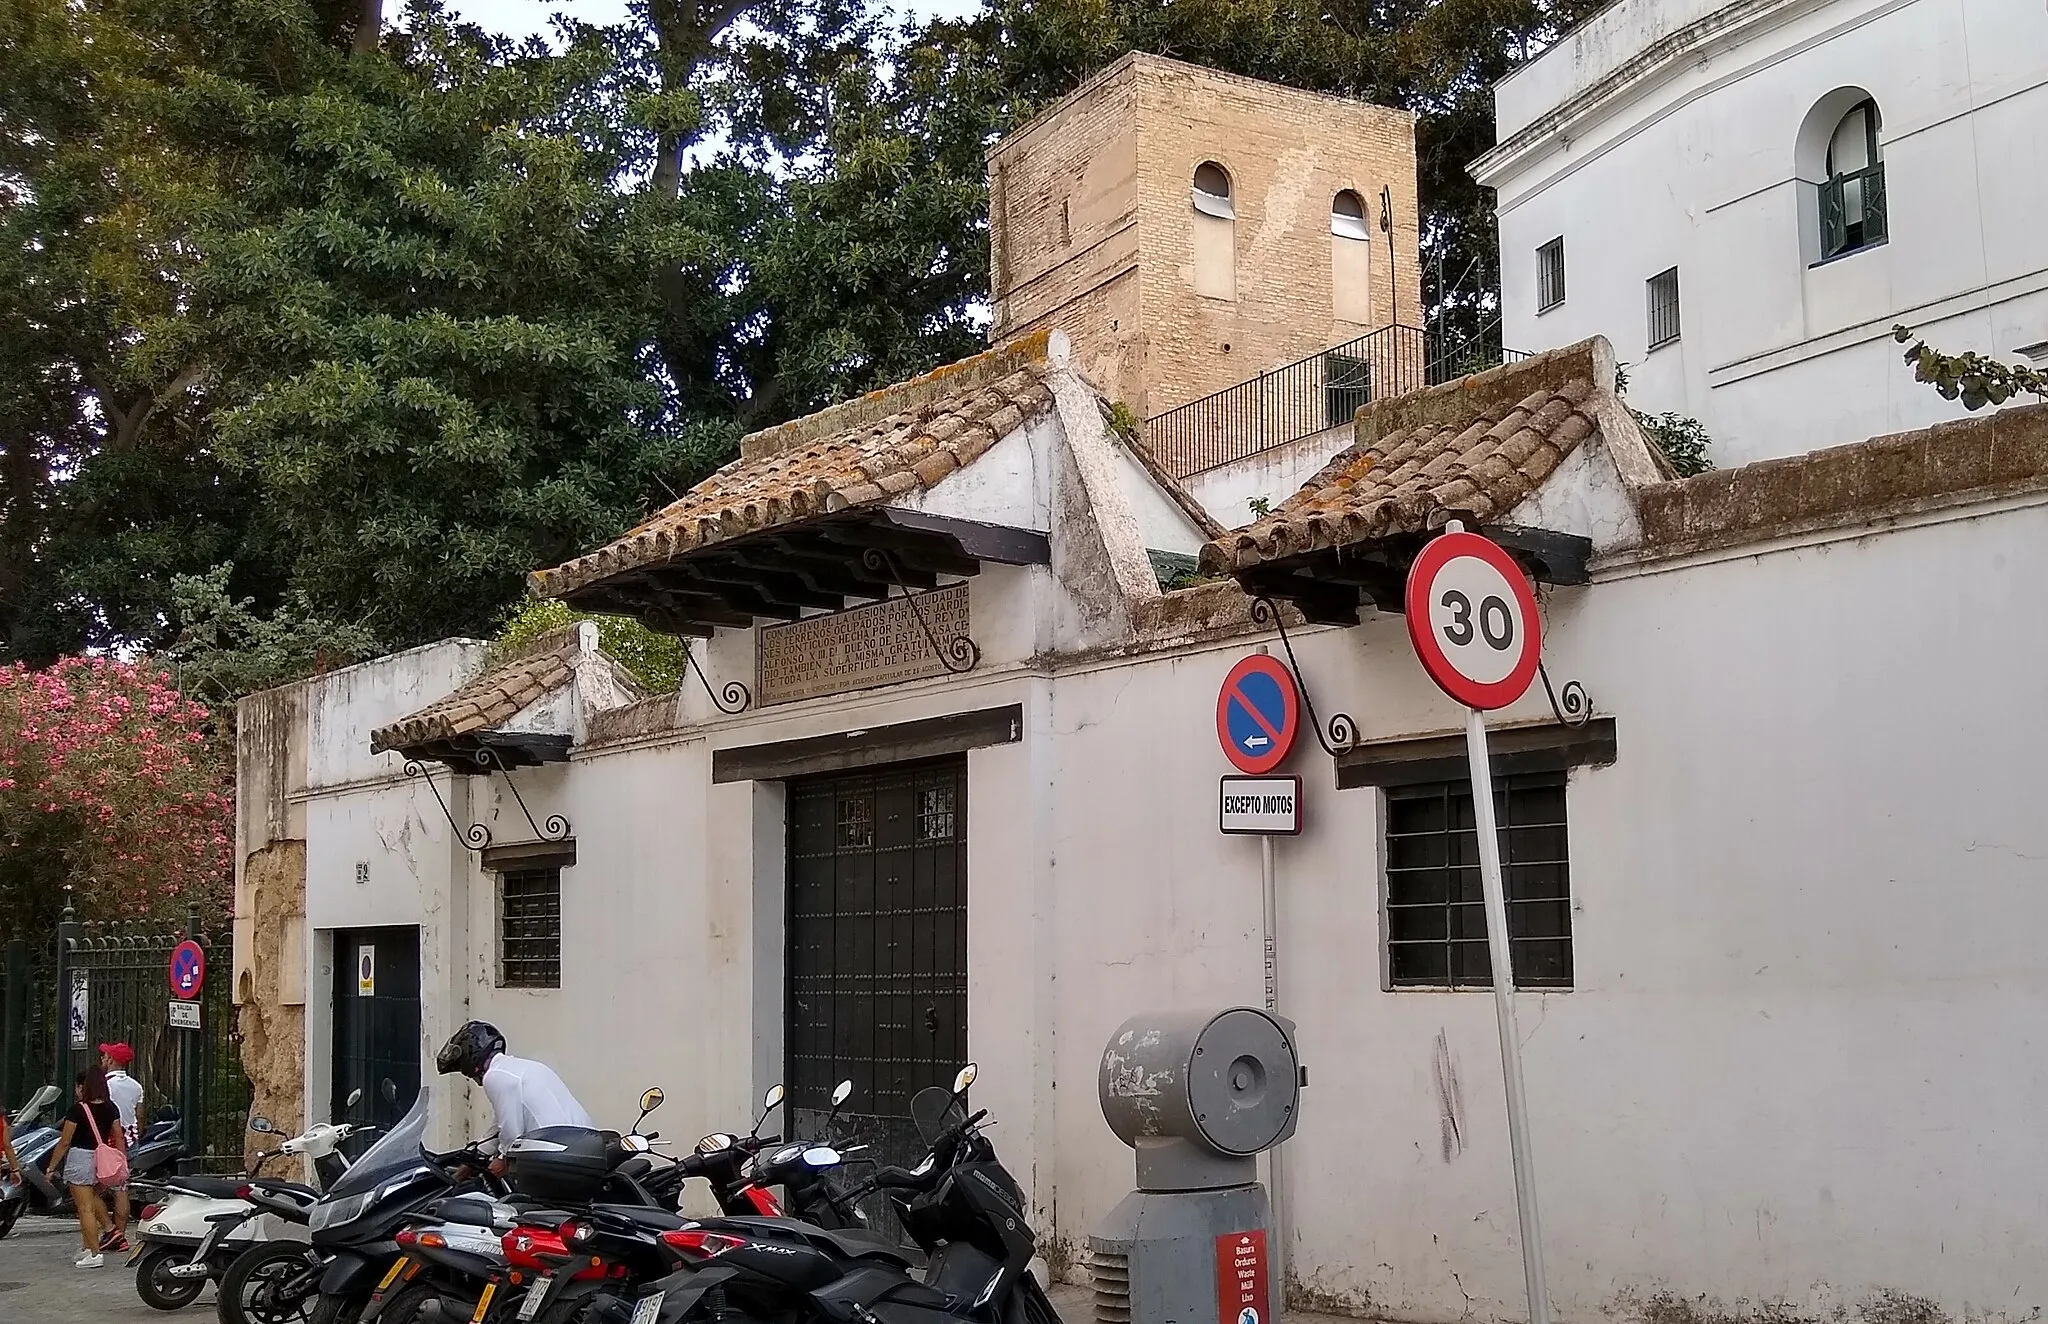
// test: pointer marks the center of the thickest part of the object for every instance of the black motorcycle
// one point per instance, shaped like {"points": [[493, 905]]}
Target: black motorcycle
{"points": [[959, 1205]]}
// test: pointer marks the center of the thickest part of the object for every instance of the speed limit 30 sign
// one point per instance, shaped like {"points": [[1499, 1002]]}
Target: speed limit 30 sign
{"points": [[1473, 621]]}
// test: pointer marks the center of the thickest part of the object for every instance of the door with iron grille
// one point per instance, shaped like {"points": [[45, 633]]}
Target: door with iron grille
{"points": [[877, 957]]}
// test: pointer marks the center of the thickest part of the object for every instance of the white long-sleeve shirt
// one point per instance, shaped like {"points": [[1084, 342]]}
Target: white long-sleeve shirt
{"points": [[526, 1096]]}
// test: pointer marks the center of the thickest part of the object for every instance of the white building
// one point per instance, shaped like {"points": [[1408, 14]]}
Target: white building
{"points": [[1779, 897], [1746, 198]]}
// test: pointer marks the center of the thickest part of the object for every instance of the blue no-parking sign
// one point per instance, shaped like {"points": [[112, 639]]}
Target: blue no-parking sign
{"points": [[1258, 714]]}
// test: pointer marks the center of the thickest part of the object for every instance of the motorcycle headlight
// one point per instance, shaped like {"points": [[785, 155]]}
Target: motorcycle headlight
{"points": [[328, 1213]]}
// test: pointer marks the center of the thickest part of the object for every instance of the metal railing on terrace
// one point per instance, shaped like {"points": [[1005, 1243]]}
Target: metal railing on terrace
{"points": [[1309, 396]]}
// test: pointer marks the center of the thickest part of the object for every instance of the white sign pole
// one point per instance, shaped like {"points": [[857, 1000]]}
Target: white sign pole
{"points": [[1497, 946], [1276, 1185]]}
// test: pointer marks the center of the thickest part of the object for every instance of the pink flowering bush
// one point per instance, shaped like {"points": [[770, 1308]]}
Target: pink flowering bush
{"points": [[110, 780]]}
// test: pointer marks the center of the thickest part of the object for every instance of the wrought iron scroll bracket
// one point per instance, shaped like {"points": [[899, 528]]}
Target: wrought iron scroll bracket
{"points": [[959, 654], [476, 836], [737, 698], [1342, 732], [557, 828], [1573, 706]]}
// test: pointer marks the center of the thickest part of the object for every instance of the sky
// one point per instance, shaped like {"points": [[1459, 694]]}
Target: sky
{"points": [[519, 18]]}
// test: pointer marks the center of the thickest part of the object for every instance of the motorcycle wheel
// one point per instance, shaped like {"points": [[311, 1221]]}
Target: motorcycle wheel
{"points": [[1037, 1305], [339, 1309], [248, 1290], [406, 1306], [156, 1287]]}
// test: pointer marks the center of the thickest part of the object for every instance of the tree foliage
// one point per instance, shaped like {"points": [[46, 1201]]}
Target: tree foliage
{"points": [[320, 325], [111, 784], [656, 660], [1974, 379]]}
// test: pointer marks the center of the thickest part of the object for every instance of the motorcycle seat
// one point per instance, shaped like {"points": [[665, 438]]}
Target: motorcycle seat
{"points": [[278, 1186], [640, 1215], [212, 1188]]}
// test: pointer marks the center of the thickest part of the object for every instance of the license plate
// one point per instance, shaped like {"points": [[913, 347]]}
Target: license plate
{"points": [[535, 1296], [649, 1307]]}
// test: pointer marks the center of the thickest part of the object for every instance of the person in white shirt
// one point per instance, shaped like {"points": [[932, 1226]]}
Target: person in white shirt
{"points": [[525, 1095], [125, 1092]]}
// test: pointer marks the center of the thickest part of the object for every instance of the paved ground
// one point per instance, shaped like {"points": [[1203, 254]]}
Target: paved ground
{"points": [[38, 1284]]}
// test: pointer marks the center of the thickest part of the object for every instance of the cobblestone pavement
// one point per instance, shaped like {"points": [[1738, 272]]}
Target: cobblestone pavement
{"points": [[39, 1285]]}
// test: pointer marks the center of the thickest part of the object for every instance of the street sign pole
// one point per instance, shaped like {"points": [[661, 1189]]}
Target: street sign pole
{"points": [[1494, 890], [1475, 629], [1276, 1181]]}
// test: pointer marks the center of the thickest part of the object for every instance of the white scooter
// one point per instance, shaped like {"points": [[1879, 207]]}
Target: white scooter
{"points": [[205, 1222]]}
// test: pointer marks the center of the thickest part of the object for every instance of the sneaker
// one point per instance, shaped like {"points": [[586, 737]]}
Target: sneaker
{"points": [[93, 1261]]}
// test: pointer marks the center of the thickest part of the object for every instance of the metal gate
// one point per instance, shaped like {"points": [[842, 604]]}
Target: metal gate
{"points": [[877, 958], [28, 1025], [376, 1025], [117, 990]]}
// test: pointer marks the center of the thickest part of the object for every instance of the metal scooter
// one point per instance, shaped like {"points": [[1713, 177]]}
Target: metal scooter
{"points": [[204, 1223], [35, 1133]]}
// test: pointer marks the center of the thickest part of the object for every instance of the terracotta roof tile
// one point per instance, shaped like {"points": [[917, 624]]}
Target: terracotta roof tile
{"points": [[1422, 460], [863, 452], [498, 695]]}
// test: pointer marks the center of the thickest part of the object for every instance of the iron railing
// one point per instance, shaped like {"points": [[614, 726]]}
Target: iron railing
{"points": [[1311, 395]]}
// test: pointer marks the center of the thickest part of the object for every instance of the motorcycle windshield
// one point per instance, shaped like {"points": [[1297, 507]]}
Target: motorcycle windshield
{"points": [[396, 1150]]}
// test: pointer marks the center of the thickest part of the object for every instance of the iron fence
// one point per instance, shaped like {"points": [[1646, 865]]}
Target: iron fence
{"points": [[28, 1021], [116, 988], [1311, 395]]}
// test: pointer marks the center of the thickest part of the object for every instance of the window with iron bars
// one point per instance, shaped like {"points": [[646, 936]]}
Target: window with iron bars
{"points": [[1550, 275], [1436, 915], [530, 928], [1663, 300]]}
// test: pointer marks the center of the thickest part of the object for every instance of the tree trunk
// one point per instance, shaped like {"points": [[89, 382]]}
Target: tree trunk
{"points": [[369, 27]]}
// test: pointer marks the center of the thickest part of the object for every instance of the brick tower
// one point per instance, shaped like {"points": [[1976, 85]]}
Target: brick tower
{"points": [[1191, 229]]}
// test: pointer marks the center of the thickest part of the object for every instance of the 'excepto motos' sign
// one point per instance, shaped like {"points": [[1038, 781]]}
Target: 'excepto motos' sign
{"points": [[1259, 806]]}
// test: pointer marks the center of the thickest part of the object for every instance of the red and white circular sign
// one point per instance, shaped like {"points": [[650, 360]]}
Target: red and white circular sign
{"points": [[1473, 621]]}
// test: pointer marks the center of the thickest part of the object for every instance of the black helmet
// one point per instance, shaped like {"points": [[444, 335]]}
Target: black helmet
{"points": [[470, 1049]]}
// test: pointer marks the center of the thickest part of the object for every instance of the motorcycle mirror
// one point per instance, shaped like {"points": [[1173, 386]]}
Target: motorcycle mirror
{"points": [[964, 1079], [261, 1124], [769, 1102], [822, 1156], [714, 1143], [389, 1089], [355, 1096], [651, 1099], [634, 1144], [841, 1094]]}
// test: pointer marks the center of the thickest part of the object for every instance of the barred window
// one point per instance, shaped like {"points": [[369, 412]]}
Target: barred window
{"points": [[1550, 274], [1662, 290], [530, 928], [1436, 917]]}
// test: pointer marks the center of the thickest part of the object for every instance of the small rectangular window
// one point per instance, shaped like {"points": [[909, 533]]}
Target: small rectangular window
{"points": [[1663, 298], [530, 928], [1550, 274], [1436, 916]]}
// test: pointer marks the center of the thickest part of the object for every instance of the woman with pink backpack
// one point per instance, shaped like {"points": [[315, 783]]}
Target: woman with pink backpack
{"points": [[92, 1155]]}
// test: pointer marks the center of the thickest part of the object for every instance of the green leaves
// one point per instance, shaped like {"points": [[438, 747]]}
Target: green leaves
{"points": [[1972, 378]]}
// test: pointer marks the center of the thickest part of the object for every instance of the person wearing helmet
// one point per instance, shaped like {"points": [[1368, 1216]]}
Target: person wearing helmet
{"points": [[525, 1095]]}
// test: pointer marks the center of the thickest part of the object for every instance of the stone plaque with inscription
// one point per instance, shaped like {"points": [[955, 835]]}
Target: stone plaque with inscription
{"points": [[879, 644]]}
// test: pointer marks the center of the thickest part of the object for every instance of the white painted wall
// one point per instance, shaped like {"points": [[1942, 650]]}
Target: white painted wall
{"points": [[1274, 474], [1684, 155], [1800, 1062]]}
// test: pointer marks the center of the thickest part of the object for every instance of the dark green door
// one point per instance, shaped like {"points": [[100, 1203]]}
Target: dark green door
{"points": [[376, 1024]]}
